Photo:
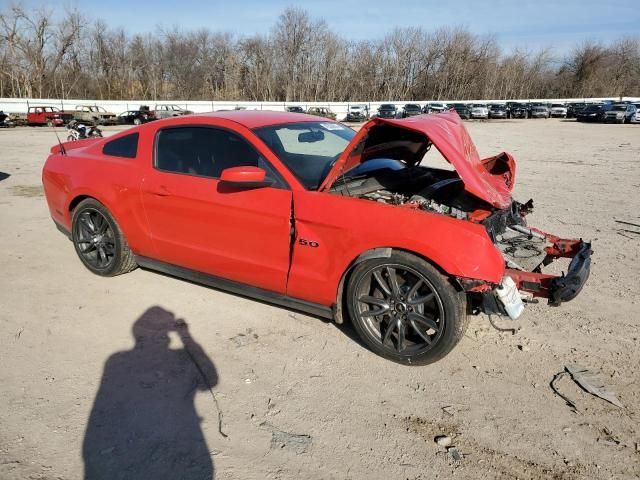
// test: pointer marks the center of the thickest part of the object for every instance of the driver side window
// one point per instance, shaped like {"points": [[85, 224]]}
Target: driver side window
{"points": [[206, 152]]}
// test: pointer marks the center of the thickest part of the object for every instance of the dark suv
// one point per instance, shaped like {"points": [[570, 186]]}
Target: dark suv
{"points": [[517, 110], [463, 110], [574, 108], [387, 110], [410, 110]]}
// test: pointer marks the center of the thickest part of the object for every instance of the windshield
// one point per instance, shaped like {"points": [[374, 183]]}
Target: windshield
{"points": [[387, 107], [479, 105], [557, 105], [308, 149], [593, 108], [619, 108], [412, 107]]}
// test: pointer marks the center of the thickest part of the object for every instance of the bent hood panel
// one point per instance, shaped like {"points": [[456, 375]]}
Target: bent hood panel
{"points": [[491, 179]]}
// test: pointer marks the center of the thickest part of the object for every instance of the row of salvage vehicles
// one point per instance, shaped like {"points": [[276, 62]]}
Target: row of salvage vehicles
{"points": [[94, 115]]}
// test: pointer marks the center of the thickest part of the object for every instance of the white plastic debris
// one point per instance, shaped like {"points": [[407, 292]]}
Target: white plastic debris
{"points": [[508, 294]]}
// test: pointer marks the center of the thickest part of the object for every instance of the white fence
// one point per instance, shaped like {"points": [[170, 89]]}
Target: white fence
{"points": [[21, 105]]}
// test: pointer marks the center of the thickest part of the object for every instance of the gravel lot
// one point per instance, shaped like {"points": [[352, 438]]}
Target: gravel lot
{"points": [[299, 397]]}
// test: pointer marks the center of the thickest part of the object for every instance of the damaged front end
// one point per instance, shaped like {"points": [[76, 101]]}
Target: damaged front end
{"points": [[383, 163], [526, 252]]}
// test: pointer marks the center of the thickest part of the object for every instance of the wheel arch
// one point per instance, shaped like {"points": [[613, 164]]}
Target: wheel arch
{"points": [[76, 200], [370, 254], [78, 197]]}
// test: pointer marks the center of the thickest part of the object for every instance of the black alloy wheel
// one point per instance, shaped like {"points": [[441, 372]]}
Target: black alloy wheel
{"points": [[98, 240], [95, 239], [405, 310]]}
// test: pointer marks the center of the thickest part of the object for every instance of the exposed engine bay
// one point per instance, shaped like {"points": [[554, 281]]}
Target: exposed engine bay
{"points": [[386, 166], [442, 192]]}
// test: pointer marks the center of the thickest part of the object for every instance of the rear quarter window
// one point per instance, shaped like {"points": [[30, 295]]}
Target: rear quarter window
{"points": [[126, 146]]}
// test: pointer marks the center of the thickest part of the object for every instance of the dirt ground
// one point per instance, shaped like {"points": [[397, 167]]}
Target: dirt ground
{"points": [[296, 397]]}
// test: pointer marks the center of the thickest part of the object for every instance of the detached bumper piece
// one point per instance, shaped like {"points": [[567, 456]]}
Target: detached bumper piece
{"points": [[563, 288], [568, 286]]}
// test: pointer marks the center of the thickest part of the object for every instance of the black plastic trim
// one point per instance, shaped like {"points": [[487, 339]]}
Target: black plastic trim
{"points": [[236, 287], [63, 229], [568, 286]]}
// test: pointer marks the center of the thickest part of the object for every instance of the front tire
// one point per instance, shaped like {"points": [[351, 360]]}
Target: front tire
{"points": [[405, 310], [99, 241]]}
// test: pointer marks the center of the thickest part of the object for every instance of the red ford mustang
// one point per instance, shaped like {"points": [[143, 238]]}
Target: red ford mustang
{"points": [[305, 212]]}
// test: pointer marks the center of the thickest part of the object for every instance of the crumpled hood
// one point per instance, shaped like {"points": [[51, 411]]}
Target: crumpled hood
{"points": [[490, 179]]}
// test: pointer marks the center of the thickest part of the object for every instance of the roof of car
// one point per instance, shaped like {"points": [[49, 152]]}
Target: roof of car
{"points": [[263, 118]]}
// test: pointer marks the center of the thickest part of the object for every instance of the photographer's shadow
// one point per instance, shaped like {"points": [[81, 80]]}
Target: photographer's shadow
{"points": [[143, 424]]}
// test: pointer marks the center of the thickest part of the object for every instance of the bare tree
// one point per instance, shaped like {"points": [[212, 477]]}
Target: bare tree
{"points": [[301, 59]]}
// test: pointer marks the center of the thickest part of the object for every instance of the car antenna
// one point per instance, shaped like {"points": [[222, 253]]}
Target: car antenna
{"points": [[62, 149]]}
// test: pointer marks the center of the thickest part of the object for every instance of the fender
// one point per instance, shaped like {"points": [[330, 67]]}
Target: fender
{"points": [[117, 189], [365, 226]]}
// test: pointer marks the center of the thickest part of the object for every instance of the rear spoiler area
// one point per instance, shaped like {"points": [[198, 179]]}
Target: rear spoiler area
{"points": [[66, 146]]}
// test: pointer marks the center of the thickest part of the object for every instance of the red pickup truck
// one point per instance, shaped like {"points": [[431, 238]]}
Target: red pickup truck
{"points": [[50, 116]]}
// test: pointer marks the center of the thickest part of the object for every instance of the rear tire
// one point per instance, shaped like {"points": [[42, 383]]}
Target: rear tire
{"points": [[99, 241], [419, 316]]}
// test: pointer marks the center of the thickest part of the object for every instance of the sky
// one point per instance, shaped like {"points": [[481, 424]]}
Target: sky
{"points": [[530, 24]]}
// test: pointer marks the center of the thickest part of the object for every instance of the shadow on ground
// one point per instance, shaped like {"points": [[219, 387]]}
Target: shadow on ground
{"points": [[144, 424]]}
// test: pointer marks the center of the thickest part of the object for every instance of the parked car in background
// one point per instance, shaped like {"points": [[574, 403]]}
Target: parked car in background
{"points": [[136, 117], [321, 112], [593, 113], [410, 110], [462, 109], [94, 115], [636, 116], [559, 110], [479, 110], [497, 110], [169, 110], [403, 251], [387, 110], [50, 116], [574, 108], [357, 113], [539, 110], [517, 110], [620, 113], [434, 107], [295, 109]]}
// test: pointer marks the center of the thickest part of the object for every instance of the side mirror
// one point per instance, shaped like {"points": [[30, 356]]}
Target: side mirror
{"points": [[245, 177]]}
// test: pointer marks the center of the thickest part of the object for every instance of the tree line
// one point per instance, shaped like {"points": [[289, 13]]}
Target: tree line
{"points": [[300, 59]]}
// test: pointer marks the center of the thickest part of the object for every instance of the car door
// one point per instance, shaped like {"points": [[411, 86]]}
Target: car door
{"points": [[203, 224]]}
